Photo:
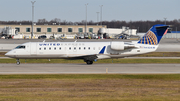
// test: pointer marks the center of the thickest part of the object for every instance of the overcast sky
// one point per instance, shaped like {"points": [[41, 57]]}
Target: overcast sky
{"points": [[74, 10]]}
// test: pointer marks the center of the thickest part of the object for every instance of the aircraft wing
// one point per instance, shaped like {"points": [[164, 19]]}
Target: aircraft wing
{"points": [[84, 57]]}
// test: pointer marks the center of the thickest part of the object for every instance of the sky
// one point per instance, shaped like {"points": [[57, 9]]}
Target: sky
{"points": [[75, 10]]}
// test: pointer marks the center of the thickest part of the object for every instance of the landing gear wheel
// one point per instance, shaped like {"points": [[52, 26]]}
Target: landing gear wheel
{"points": [[18, 62], [89, 62]]}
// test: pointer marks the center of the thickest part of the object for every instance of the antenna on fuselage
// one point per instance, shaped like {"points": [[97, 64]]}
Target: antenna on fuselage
{"points": [[75, 41], [44, 41]]}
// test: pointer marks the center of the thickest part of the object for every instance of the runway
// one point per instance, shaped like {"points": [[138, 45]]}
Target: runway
{"points": [[90, 69]]}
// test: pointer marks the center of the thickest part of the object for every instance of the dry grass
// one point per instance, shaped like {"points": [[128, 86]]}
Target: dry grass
{"points": [[89, 89], [161, 54], [2, 54]]}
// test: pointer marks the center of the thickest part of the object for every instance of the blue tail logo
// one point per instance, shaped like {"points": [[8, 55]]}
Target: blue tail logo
{"points": [[154, 35]]}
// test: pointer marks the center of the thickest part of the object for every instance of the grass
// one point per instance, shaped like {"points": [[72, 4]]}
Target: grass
{"points": [[89, 87], [2, 54], [92, 76], [123, 60], [160, 54]]}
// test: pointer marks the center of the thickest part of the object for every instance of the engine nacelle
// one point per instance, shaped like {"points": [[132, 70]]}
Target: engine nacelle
{"points": [[117, 46]]}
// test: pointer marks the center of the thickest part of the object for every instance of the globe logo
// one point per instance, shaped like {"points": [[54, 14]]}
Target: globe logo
{"points": [[149, 38]]}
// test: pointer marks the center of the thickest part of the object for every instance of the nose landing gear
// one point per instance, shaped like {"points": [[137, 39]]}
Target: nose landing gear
{"points": [[18, 62]]}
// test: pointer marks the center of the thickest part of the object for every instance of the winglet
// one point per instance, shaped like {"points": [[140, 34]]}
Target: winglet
{"points": [[102, 50]]}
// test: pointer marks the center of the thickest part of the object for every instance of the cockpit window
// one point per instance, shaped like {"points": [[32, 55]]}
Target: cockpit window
{"points": [[20, 47]]}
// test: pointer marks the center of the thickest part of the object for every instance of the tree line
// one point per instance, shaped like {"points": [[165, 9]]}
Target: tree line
{"points": [[141, 26]]}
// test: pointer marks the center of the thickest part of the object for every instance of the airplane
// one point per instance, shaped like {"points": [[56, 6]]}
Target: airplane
{"points": [[90, 51]]}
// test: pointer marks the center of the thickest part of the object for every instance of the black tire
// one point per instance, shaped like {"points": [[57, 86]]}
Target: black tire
{"points": [[89, 62]]}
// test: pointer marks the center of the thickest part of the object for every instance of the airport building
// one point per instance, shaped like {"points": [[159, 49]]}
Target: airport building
{"points": [[54, 29]]}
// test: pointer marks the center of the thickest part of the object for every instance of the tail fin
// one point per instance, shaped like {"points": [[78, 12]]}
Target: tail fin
{"points": [[154, 35]]}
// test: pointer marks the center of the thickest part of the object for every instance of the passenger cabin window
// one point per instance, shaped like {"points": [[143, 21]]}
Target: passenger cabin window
{"points": [[20, 47], [39, 48], [59, 48], [54, 48]]}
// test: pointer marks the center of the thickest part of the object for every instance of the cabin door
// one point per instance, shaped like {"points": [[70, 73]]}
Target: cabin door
{"points": [[33, 49]]}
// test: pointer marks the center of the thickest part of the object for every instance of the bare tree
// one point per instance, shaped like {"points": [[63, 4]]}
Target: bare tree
{"points": [[42, 21], [142, 26], [56, 20]]}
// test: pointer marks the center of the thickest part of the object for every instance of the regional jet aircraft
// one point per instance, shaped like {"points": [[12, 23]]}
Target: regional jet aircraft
{"points": [[89, 51]]}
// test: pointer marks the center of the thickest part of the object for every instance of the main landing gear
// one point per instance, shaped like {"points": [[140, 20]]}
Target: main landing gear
{"points": [[89, 59], [89, 62], [18, 62]]}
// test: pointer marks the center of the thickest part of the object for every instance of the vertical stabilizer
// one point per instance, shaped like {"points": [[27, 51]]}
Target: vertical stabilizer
{"points": [[154, 35]]}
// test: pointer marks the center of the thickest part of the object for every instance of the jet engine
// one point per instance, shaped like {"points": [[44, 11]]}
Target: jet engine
{"points": [[117, 46]]}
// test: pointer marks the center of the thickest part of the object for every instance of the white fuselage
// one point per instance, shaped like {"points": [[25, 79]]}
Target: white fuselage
{"points": [[77, 50]]}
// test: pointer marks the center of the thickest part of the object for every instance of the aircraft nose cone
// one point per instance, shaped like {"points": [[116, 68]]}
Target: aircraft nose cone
{"points": [[8, 54]]}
